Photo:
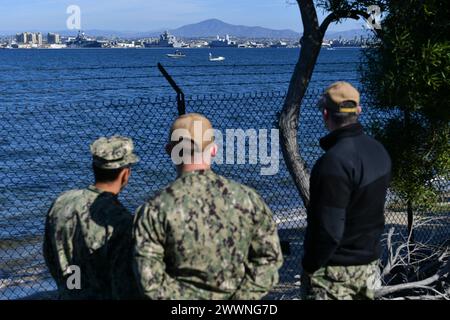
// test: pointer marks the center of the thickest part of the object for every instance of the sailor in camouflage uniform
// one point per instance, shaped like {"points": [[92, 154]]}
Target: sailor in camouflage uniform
{"points": [[91, 229], [204, 236]]}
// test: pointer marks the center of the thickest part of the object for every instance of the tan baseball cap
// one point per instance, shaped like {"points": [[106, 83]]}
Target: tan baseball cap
{"points": [[193, 128], [340, 96]]}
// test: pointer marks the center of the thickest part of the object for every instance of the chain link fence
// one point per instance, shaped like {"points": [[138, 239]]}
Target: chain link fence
{"points": [[45, 151]]}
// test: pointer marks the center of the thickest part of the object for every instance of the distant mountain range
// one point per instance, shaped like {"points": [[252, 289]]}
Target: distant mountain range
{"points": [[213, 27], [210, 28]]}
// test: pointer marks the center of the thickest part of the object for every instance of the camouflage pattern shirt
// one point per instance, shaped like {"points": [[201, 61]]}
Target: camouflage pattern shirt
{"points": [[90, 229], [206, 237]]}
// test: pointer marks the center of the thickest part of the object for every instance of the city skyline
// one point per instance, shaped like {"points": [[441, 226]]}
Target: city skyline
{"points": [[153, 15]]}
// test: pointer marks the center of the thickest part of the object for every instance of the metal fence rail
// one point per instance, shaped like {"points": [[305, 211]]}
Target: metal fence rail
{"points": [[45, 151]]}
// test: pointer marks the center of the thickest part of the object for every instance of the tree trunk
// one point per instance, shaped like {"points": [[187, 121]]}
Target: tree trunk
{"points": [[311, 43]]}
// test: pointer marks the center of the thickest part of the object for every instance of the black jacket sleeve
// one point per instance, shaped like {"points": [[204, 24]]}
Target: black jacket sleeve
{"points": [[330, 189]]}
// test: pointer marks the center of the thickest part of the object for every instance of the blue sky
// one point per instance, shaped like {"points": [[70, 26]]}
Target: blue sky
{"points": [[148, 15]]}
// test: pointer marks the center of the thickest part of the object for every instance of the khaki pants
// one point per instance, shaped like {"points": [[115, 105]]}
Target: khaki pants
{"points": [[341, 283]]}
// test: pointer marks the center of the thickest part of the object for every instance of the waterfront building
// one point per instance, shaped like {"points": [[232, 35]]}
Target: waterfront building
{"points": [[23, 37], [29, 38], [53, 38], [38, 39], [32, 39]]}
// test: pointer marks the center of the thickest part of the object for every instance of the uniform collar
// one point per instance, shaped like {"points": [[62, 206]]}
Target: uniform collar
{"points": [[196, 172], [94, 189], [99, 191], [352, 130]]}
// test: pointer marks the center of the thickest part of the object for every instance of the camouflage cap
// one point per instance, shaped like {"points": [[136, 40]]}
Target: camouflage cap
{"points": [[113, 152]]}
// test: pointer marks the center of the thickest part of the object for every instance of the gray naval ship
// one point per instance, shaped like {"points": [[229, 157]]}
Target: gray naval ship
{"points": [[81, 41], [223, 43], [166, 40]]}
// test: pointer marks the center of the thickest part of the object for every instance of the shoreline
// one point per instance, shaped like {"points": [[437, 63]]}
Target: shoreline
{"points": [[168, 48]]}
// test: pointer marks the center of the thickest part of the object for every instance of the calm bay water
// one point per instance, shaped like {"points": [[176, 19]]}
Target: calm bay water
{"points": [[60, 76]]}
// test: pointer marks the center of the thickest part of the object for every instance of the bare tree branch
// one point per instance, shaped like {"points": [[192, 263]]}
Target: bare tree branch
{"points": [[339, 15], [413, 285]]}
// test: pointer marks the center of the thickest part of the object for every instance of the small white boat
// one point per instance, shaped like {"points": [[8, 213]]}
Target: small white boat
{"points": [[177, 54], [211, 58]]}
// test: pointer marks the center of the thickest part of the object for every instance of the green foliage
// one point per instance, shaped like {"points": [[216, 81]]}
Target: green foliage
{"points": [[407, 68], [420, 152], [346, 5]]}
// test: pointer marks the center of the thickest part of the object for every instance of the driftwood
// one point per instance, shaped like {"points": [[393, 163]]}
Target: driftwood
{"points": [[423, 267]]}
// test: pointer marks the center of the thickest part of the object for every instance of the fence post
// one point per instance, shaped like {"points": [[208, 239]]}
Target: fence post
{"points": [[181, 104]]}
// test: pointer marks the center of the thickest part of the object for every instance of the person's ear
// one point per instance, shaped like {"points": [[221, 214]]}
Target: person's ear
{"points": [[214, 150], [359, 110], [125, 176], [325, 114]]}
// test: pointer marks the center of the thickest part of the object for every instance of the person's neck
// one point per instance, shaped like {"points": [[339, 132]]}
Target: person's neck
{"points": [[113, 188], [332, 127], [194, 167]]}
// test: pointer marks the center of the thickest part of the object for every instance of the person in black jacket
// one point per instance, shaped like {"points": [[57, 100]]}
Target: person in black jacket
{"points": [[346, 212]]}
